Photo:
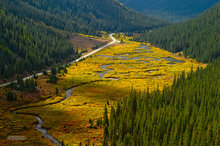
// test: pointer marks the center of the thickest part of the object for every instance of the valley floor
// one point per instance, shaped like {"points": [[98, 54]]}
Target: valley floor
{"points": [[103, 78]]}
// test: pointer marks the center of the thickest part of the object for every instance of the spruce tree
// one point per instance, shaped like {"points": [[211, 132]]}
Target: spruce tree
{"points": [[105, 117]]}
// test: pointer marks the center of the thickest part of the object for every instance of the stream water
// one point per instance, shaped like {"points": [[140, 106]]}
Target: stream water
{"points": [[40, 121], [44, 132], [68, 94], [101, 75]]}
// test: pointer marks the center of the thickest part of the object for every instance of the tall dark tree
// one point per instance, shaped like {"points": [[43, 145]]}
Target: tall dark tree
{"points": [[187, 113], [53, 70], [105, 117]]}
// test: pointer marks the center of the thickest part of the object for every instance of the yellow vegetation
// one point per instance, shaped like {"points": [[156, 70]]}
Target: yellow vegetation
{"points": [[126, 66], [104, 35]]}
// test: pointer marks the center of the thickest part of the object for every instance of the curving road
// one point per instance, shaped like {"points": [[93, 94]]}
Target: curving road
{"points": [[68, 94], [77, 60]]}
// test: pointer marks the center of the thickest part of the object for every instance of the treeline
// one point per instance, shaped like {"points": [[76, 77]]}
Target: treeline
{"points": [[28, 85], [84, 16], [198, 38], [27, 46], [10, 96], [30, 30], [185, 114]]}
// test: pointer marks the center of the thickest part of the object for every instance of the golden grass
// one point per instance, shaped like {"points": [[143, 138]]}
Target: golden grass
{"points": [[103, 33], [19, 125], [24, 125], [130, 72], [69, 120]]}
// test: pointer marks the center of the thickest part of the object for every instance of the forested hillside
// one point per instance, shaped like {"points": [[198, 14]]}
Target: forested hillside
{"points": [[185, 114], [84, 16], [198, 38], [26, 46], [173, 10], [27, 43]]}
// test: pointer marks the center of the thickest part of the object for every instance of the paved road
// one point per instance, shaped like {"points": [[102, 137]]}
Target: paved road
{"points": [[77, 60]]}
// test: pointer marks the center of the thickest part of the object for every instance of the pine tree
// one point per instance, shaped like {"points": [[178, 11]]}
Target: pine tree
{"points": [[53, 71], [105, 117], [113, 142], [56, 91], [80, 144], [184, 114]]}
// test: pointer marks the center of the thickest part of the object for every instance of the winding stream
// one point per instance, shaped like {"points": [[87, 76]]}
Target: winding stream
{"points": [[77, 60], [101, 75], [44, 132], [68, 94], [40, 121]]}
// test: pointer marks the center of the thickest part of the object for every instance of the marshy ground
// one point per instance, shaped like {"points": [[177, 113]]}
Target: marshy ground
{"points": [[106, 76]]}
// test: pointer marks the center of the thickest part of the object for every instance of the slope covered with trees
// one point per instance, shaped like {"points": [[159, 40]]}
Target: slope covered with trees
{"points": [[198, 38], [29, 41], [173, 10], [84, 16], [185, 114], [26, 46]]}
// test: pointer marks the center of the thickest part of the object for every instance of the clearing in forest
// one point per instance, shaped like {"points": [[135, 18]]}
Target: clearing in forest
{"points": [[107, 76]]}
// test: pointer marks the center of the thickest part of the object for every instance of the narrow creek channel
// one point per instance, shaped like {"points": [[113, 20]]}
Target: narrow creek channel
{"points": [[68, 94], [40, 121]]}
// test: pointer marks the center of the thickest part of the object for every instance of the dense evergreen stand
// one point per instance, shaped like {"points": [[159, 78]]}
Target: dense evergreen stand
{"points": [[198, 38], [187, 113]]}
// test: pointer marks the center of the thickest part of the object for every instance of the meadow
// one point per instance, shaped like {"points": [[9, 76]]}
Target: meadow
{"points": [[106, 77]]}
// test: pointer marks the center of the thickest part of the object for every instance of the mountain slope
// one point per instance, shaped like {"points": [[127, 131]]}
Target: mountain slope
{"points": [[185, 114], [29, 44], [198, 38], [26, 46], [173, 10], [85, 16]]}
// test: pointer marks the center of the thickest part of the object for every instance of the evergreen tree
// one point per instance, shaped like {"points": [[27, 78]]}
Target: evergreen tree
{"points": [[10, 96], [184, 114], [53, 71], [56, 91], [105, 117], [198, 38]]}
